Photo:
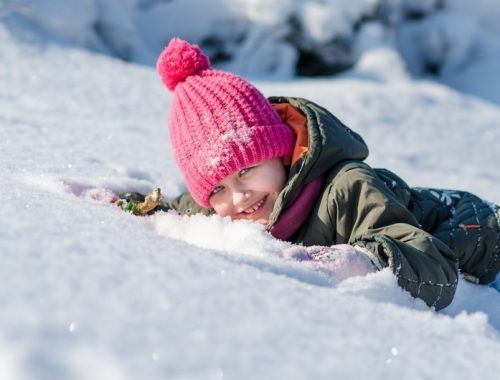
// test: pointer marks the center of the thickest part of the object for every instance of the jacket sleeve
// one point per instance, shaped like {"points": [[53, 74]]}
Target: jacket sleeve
{"points": [[185, 204], [368, 214]]}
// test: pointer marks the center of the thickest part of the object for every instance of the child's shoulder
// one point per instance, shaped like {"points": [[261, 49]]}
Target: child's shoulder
{"points": [[355, 179]]}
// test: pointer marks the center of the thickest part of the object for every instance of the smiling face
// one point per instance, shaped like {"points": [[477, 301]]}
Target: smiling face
{"points": [[251, 192]]}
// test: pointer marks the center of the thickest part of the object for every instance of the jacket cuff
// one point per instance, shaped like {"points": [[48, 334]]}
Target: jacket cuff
{"points": [[373, 258]]}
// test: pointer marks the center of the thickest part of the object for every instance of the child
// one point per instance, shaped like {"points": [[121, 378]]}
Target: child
{"points": [[292, 166]]}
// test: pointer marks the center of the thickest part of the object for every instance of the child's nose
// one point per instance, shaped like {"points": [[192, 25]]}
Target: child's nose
{"points": [[240, 196]]}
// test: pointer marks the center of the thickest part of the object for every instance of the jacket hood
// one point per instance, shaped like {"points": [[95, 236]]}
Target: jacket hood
{"points": [[329, 143]]}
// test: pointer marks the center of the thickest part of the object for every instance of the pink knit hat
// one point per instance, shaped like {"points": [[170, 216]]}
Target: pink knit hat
{"points": [[219, 123]]}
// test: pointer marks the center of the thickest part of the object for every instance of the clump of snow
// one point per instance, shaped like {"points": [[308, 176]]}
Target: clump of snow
{"points": [[323, 22], [215, 232], [240, 137], [214, 162]]}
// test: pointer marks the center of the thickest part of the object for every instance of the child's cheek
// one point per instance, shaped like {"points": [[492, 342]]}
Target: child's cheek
{"points": [[222, 209]]}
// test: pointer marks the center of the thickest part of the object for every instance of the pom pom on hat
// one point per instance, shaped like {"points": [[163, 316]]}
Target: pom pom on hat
{"points": [[179, 60]]}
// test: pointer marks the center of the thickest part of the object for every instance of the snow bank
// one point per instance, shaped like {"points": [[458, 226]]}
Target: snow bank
{"points": [[90, 292], [255, 37]]}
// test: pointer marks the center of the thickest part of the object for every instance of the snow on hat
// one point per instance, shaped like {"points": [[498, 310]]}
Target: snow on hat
{"points": [[219, 123]]}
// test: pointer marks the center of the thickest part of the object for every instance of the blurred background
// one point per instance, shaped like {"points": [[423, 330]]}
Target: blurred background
{"points": [[455, 42]]}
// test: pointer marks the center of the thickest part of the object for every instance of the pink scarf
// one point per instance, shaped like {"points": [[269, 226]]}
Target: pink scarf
{"points": [[298, 211]]}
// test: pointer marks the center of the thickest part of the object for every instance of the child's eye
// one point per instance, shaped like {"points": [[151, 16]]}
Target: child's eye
{"points": [[246, 170], [216, 190]]}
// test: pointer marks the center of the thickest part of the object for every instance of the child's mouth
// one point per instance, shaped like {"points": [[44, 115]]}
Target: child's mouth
{"points": [[252, 210]]}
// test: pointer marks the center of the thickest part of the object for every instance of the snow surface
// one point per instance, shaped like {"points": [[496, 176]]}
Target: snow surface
{"points": [[90, 292]]}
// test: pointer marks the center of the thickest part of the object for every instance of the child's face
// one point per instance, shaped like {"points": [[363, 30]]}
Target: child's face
{"points": [[251, 192]]}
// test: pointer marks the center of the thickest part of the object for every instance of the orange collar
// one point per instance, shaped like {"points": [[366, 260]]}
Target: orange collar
{"points": [[298, 122]]}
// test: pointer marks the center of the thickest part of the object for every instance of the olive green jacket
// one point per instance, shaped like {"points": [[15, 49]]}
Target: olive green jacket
{"points": [[423, 235]]}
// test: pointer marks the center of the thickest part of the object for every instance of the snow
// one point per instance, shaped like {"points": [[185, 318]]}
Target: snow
{"points": [[89, 291], [455, 41]]}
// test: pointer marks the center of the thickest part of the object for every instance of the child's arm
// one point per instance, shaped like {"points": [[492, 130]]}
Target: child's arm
{"points": [[140, 204], [185, 204], [368, 214]]}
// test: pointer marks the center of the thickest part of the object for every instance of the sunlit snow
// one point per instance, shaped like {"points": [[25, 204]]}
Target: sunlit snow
{"points": [[90, 292]]}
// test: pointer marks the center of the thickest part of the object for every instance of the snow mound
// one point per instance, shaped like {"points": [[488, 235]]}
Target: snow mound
{"points": [[215, 232]]}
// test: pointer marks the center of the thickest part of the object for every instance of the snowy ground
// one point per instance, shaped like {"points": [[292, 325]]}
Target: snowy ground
{"points": [[89, 292]]}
